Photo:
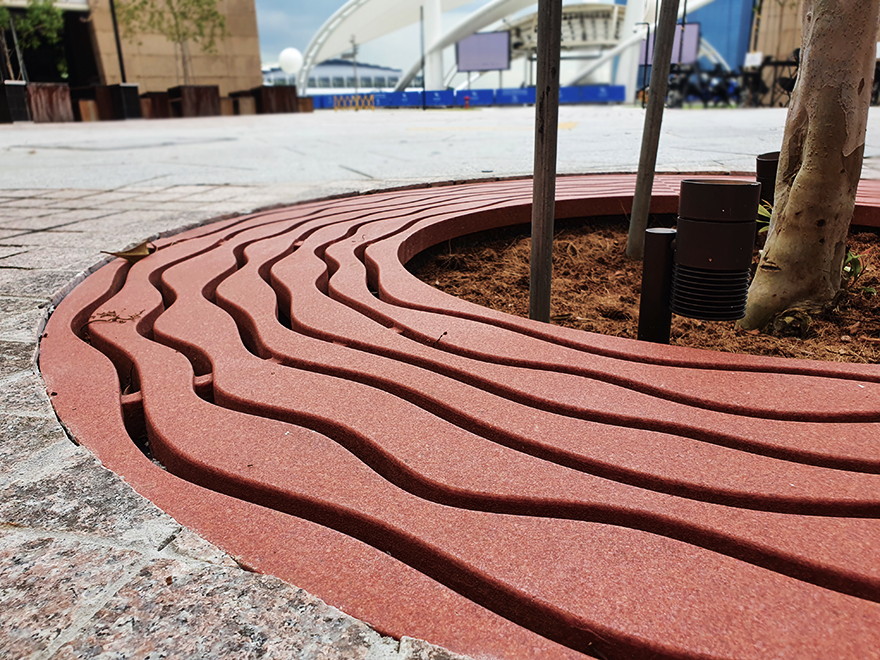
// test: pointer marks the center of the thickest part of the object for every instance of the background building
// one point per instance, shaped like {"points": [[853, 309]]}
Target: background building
{"points": [[338, 76], [89, 49]]}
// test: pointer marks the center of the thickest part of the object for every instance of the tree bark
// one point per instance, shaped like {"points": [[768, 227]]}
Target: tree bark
{"points": [[820, 161]]}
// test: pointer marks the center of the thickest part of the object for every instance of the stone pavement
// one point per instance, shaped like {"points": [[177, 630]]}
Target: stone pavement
{"points": [[91, 568]]}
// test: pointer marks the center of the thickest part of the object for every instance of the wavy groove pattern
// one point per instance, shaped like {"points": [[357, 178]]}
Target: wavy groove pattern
{"points": [[522, 490]]}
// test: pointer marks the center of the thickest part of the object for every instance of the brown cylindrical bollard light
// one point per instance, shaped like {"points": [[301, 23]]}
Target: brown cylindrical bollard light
{"points": [[714, 245]]}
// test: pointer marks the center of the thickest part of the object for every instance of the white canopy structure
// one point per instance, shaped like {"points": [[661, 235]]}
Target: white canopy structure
{"points": [[365, 20], [609, 30]]}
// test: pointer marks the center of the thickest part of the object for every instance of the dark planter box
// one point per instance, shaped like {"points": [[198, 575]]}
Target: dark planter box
{"points": [[13, 102], [272, 100], [125, 101], [159, 104], [195, 100], [87, 100], [112, 101], [49, 102]]}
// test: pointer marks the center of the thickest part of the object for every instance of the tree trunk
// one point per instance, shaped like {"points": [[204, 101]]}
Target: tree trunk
{"points": [[7, 60], [186, 59], [820, 160]]}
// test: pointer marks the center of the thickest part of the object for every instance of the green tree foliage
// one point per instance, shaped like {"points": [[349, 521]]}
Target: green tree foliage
{"points": [[41, 24], [182, 22]]}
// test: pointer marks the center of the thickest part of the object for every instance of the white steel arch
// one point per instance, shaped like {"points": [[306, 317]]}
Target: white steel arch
{"points": [[486, 15], [364, 20]]}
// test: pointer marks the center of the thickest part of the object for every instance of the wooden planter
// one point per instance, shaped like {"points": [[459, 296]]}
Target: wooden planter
{"points": [[156, 105], [49, 102], [195, 100], [273, 100], [124, 100], [13, 102], [270, 100]]}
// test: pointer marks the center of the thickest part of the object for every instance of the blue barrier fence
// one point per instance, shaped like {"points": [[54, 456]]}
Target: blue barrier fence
{"points": [[478, 97]]}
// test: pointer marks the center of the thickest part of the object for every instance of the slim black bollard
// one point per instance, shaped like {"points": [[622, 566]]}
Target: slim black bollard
{"points": [[765, 174], [655, 316]]}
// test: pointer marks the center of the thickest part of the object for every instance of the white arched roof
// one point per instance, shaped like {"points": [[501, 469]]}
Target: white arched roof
{"points": [[371, 19], [366, 20]]}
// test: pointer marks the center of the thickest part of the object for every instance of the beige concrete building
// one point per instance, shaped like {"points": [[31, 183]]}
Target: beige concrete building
{"points": [[777, 28], [151, 60]]}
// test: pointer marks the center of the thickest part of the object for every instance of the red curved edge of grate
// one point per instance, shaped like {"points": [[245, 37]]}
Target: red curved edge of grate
{"points": [[497, 486]]}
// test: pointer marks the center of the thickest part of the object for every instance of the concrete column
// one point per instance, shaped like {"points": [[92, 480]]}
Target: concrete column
{"points": [[628, 60], [433, 33]]}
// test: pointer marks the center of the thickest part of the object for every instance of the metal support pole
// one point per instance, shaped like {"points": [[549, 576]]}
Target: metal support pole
{"points": [[118, 42], [655, 316], [424, 69], [21, 67], [354, 64], [665, 35], [544, 186]]}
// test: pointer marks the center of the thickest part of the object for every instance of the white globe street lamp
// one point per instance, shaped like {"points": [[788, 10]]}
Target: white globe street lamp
{"points": [[290, 60]]}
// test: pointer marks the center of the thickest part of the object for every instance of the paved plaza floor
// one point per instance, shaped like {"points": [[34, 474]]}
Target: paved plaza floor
{"points": [[86, 564]]}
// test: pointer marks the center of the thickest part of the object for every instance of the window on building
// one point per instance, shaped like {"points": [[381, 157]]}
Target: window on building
{"points": [[392, 81], [349, 82], [323, 82], [338, 81], [366, 81], [313, 82], [379, 81]]}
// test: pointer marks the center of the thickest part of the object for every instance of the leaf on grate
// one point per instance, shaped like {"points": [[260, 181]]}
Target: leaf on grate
{"points": [[135, 254]]}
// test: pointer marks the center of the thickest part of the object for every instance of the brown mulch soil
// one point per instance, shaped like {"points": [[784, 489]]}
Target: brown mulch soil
{"points": [[596, 288]]}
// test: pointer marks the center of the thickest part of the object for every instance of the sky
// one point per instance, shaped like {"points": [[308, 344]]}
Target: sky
{"points": [[292, 24]]}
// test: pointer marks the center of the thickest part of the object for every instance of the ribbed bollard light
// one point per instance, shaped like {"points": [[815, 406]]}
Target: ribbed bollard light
{"points": [[714, 245]]}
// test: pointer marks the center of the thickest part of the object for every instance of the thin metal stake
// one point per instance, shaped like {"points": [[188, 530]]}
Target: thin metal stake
{"points": [[422, 37], [21, 67], [664, 37], [118, 42], [544, 186]]}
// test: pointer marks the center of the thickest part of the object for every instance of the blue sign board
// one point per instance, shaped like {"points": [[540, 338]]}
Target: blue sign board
{"points": [[381, 99], [603, 94], [443, 97], [406, 99], [515, 96], [475, 96]]}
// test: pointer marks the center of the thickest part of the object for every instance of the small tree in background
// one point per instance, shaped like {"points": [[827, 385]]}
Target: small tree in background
{"points": [[182, 22], [820, 162], [41, 24]]}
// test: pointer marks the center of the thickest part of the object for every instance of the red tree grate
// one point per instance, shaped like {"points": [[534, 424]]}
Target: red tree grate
{"points": [[498, 486]]}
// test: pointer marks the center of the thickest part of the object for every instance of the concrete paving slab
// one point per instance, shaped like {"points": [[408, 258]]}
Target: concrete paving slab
{"points": [[15, 357], [7, 252], [51, 584], [68, 194], [23, 393], [71, 258], [64, 489], [19, 320], [24, 221], [41, 284]]}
